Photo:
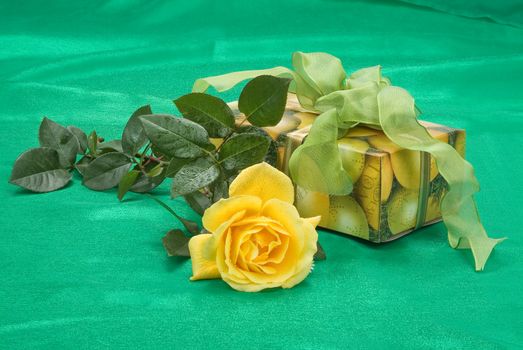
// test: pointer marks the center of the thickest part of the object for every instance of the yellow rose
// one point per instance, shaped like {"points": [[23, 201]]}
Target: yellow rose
{"points": [[257, 239]]}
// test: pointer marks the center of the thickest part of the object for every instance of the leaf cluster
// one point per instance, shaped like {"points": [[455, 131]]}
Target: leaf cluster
{"points": [[202, 150]]}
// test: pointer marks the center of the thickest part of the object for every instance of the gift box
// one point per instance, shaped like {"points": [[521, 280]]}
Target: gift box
{"points": [[395, 190], [368, 185]]}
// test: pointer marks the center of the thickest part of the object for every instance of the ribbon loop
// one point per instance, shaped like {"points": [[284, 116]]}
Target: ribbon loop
{"points": [[359, 105], [366, 75], [322, 72]]}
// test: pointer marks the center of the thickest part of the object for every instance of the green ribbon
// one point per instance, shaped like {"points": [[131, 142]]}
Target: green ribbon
{"points": [[424, 185], [366, 97]]}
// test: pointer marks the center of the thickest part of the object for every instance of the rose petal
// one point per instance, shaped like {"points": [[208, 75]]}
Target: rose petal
{"points": [[224, 209], [259, 220], [287, 216], [230, 273], [275, 280], [250, 287], [303, 238], [238, 236], [304, 266], [314, 221], [203, 249], [231, 265], [304, 271], [278, 253], [263, 181], [203, 257]]}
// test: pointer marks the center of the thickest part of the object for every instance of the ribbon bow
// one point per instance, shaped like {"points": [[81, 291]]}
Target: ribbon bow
{"points": [[366, 97]]}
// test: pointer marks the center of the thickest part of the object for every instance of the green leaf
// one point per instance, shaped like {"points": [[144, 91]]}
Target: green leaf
{"points": [[156, 171], [110, 146], [159, 154], [145, 183], [56, 136], [220, 189], [189, 225], [263, 100], [175, 164], [126, 183], [320, 253], [198, 201], [194, 175], [243, 150], [39, 170], [106, 171], [271, 156], [177, 137], [133, 136], [82, 164], [81, 138], [210, 112], [92, 143], [176, 243]]}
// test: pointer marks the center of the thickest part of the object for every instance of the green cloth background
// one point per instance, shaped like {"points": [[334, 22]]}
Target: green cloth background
{"points": [[80, 270]]}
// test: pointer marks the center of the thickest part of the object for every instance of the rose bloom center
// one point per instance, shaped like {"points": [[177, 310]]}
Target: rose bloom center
{"points": [[257, 245]]}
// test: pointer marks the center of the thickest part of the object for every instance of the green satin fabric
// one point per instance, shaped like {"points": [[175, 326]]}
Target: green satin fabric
{"points": [[80, 270]]}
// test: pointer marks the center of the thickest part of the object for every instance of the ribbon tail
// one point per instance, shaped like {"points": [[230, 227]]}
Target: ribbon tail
{"points": [[397, 115], [227, 81], [481, 248]]}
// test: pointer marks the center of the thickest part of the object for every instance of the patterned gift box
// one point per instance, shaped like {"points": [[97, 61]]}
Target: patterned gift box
{"points": [[395, 190]]}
